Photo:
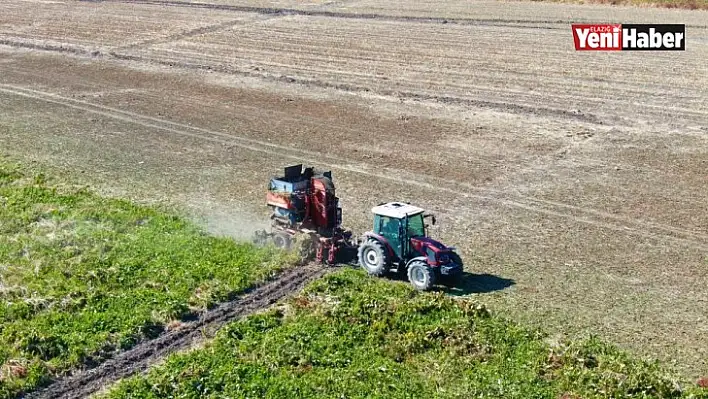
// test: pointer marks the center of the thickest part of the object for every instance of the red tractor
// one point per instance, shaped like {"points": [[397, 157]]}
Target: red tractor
{"points": [[399, 240], [303, 201]]}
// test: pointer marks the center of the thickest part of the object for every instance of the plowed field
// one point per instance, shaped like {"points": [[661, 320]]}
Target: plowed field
{"points": [[578, 180]]}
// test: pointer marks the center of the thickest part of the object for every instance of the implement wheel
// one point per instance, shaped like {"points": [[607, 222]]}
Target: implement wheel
{"points": [[421, 276], [282, 240], [373, 258], [260, 238]]}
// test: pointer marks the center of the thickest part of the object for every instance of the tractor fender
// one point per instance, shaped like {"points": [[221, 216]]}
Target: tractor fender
{"points": [[423, 259], [428, 251], [382, 240]]}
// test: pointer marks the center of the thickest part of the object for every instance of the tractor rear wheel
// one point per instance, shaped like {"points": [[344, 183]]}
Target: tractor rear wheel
{"points": [[421, 276], [373, 258]]}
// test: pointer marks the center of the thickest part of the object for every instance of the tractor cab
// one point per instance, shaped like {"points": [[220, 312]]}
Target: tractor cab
{"points": [[397, 223], [399, 239]]}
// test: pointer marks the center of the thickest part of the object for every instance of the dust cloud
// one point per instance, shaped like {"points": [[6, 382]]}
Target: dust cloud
{"points": [[224, 221]]}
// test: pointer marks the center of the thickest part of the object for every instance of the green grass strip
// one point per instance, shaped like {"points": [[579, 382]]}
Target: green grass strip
{"points": [[83, 276], [350, 336]]}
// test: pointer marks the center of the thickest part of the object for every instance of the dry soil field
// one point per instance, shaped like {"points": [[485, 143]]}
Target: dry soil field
{"points": [[577, 179]]}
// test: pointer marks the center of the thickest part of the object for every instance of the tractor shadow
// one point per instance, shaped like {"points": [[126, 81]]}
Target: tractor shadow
{"points": [[471, 283]]}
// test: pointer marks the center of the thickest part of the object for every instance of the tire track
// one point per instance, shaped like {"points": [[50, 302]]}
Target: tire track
{"points": [[141, 357], [517, 102], [354, 88], [319, 56], [515, 108], [58, 48], [520, 23], [182, 35], [522, 109], [280, 11], [589, 216], [195, 32]]}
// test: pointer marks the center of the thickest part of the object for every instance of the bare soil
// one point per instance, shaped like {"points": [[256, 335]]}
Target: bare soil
{"points": [[581, 177]]}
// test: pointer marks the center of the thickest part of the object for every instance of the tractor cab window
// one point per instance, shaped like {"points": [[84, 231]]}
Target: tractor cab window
{"points": [[416, 226], [388, 227]]}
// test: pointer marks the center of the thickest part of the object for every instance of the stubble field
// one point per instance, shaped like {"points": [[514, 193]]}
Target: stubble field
{"points": [[578, 179]]}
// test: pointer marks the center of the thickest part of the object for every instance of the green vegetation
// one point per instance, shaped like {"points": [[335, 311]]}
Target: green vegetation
{"points": [[82, 276], [351, 336], [685, 4]]}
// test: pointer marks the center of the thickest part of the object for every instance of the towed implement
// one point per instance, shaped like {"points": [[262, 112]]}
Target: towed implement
{"points": [[303, 204]]}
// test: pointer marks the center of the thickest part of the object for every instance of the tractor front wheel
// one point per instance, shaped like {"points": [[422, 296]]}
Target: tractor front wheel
{"points": [[421, 276], [373, 258]]}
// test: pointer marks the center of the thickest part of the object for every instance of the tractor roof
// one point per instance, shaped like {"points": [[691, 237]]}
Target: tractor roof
{"points": [[396, 210]]}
